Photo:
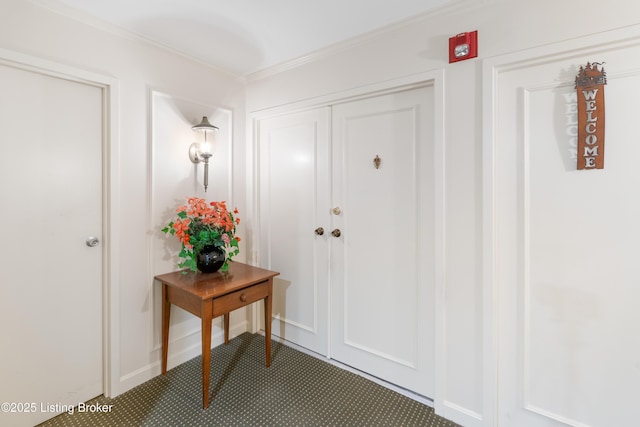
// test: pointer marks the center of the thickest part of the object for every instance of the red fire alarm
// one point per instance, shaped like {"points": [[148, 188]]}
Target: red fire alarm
{"points": [[463, 46]]}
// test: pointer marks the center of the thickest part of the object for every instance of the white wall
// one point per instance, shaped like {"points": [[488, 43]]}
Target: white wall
{"points": [[140, 69], [503, 26], [561, 243]]}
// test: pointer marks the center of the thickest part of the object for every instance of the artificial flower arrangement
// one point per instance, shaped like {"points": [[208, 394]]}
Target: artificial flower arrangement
{"points": [[200, 224]]}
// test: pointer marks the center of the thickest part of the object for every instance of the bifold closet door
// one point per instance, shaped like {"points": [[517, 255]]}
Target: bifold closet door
{"points": [[382, 281]]}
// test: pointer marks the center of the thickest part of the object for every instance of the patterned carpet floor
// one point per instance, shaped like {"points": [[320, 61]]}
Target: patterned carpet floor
{"points": [[297, 390]]}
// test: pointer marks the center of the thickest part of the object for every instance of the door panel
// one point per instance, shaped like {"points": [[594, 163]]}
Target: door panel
{"points": [[51, 192], [294, 198], [567, 269], [382, 284]]}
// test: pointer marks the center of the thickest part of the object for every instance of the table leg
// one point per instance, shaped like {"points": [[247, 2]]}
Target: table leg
{"points": [[226, 328], [166, 313], [206, 351], [267, 325]]}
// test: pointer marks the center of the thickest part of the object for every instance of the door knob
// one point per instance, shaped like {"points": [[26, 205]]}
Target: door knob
{"points": [[337, 210], [336, 232], [319, 231], [92, 241]]}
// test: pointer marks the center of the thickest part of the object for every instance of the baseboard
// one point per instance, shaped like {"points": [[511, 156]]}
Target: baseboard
{"points": [[176, 357], [460, 415]]}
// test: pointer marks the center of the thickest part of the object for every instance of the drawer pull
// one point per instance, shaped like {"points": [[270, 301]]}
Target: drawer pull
{"points": [[243, 297]]}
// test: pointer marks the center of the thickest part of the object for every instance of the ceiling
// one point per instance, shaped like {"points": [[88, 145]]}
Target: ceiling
{"points": [[245, 36]]}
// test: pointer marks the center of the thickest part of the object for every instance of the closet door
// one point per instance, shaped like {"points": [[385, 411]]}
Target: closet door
{"points": [[382, 281], [294, 220]]}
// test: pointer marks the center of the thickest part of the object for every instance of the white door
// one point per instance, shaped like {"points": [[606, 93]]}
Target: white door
{"points": [[294, 199], [382, 264], [567, 258], [51, 289]]}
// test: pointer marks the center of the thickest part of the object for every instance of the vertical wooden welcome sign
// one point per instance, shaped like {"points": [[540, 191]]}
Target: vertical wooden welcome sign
{"points": [[590, 87]]}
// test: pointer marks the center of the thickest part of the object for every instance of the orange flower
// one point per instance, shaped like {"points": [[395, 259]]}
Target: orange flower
{"points": [[181, 225], [186, 241]]}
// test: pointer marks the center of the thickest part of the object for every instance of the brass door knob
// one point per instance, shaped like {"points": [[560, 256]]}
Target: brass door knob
{"points": [[319, 231], [336, 232]]}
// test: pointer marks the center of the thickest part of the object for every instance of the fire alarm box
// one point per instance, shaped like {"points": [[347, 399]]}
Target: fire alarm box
{"points": [[463, 46]]}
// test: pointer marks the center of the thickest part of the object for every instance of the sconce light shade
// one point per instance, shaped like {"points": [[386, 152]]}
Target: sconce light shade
{"points": [[204, 126]]}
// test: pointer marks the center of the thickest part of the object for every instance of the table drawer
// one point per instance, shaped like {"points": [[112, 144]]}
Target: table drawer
{"points": [[240, 298]]}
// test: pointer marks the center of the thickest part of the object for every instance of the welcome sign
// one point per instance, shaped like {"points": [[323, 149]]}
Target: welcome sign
{"points": [[590, 89]]}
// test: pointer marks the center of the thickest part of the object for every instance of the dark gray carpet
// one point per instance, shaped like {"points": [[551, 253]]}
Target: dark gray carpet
{"points": [[297, 390]]}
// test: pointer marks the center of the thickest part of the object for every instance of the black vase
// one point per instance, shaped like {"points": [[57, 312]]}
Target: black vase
{"points": [[210, 259]]}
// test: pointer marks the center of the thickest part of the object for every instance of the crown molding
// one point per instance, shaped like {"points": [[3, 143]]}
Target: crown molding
{"points": [[452, 6], [59, 8]]}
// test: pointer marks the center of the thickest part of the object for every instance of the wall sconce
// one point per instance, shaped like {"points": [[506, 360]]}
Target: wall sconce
{"points": [[201, 151]]}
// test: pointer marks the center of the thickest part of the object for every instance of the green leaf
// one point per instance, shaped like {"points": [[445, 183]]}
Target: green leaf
{"points": [[182, 214]]}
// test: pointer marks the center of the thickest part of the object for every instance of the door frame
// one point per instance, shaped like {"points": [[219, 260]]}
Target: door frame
{"points": [[491, 69], [432, 78], [110, 199]]}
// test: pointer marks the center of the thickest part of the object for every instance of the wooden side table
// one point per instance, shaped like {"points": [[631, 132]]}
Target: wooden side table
{"points": [[212, 295]]}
